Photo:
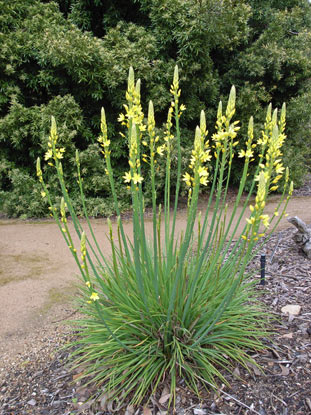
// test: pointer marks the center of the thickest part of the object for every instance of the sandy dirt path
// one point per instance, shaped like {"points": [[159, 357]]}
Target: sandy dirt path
{"points": [[38, 276]]}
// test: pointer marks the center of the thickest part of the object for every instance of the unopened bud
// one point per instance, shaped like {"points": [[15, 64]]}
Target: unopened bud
{"points": [[176, 78], [131, 79], [202, 122]]}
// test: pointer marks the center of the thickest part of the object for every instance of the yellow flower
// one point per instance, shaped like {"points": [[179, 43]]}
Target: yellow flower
{"points": [[127, 177], [137, 178], [121, 118], [203, 180], [43, 194], [94, 297], [48, 155], [187, 179], [202, 172], [265, 220], [248, 153], [160, 150], [59, 153], [88, 284]]}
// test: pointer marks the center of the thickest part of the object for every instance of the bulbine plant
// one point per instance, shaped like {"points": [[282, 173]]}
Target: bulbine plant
{"points": [[167, 306]]}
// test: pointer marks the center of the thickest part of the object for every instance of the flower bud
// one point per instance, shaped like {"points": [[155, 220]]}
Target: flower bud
{"points": [[197, 139], [175, 79], [269, 111], [251, 128], [231, 102], [137, 87], [77, 157], [219, 111], [53, 128], [150, 113], [39, 171], [203, 122], [275, 116], [131, 79]]}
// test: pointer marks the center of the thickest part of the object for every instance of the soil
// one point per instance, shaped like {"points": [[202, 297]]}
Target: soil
{"points": [[38, 280]]}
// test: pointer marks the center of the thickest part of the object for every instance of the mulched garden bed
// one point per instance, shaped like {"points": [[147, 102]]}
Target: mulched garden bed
{"points": [[39, 382]]}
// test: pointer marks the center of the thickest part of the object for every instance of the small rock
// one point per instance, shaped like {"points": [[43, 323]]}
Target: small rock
{"points": [[292, 309], [32, 402], [198, 411]]}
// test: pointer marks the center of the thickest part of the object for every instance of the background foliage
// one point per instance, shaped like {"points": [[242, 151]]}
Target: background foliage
{"points": [[69, 58]]}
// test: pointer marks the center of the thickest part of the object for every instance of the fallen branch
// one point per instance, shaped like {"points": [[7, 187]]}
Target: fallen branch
{"points": [[303, 235]]}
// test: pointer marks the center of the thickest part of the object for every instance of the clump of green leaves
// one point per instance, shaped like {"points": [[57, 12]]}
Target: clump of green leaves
{"points": [[168, 305]]}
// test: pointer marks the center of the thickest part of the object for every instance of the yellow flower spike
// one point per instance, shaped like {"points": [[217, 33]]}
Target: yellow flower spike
{"points": [[283, 118], [77, 158], [94, 296], [251, 208], [261, 192], [231, 103], [219, 112], [251, 129], [103, 127], [291, 188], [133, 140], [176, 77], [197, 139], [202, 123], [131, 79], [83, 243], [269, 112], [137, 89], [274, 117], [150, 113], [286, 174], [53, 129], [39, 171], [275, 135]]}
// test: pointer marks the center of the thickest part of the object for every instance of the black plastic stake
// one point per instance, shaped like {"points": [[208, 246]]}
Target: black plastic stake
{"points": [[262, 269]]}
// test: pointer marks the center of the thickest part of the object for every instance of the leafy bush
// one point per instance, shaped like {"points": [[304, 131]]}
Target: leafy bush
{"points": [[75, 55], [177, 305]]}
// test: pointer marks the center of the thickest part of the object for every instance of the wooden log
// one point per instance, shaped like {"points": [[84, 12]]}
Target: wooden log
{"points": [[303, 235]]}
